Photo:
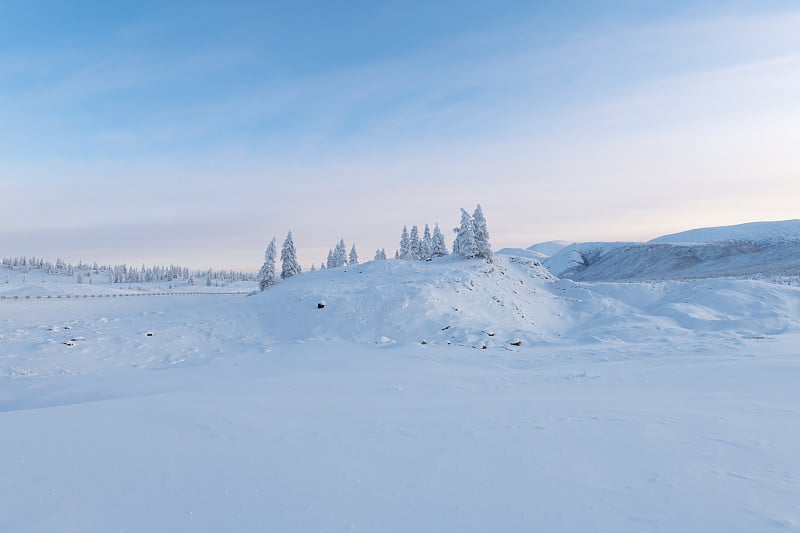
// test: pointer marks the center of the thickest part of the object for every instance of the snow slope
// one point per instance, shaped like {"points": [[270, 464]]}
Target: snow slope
{"points": [[658, 406]]}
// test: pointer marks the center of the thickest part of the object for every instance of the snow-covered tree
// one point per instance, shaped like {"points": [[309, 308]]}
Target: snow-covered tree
{"points": [[438, 246], [464, 244], [330, 261], [353, 257], [340, 254], [405, 245], [397, 254], [426, 245], [380, 254], [414, 243], [322, 265], [313, 268], [289, 264], [266, 276], [481, 234]]}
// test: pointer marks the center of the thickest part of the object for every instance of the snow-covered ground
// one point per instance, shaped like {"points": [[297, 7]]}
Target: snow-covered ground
{"points": [[657, 406]]}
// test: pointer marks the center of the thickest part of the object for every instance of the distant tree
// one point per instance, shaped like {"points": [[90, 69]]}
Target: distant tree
{"points": [[313, 268], [80, 277], [405, 245], [380, 254], [484, 249], [438, 246], [289, 264], [397, 254], [464, 244], [266, 276], [330, 262], [322, 265], [353, 257]]}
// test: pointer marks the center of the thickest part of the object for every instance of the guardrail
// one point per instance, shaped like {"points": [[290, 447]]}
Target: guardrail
{"points": [[82, 296]]}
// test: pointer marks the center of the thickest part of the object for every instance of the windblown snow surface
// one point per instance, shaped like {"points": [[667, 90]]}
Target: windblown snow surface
{"points": [[534, 404]]}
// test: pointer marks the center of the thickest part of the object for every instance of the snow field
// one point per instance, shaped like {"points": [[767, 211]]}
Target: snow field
{"points": [[667, 406]]}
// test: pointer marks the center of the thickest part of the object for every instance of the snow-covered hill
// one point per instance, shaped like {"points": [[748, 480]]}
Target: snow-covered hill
{"points": [[479, 304], [444, 300], [764, 249]]}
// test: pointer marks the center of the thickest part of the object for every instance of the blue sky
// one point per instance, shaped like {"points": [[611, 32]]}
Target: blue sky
{"points": [[193, 132]]}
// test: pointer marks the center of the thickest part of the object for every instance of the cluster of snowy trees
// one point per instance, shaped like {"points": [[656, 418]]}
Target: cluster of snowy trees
{"points": [[338, 257], [472, 240], [421, 249], [472, 236], [123, 273], [290, 266]]}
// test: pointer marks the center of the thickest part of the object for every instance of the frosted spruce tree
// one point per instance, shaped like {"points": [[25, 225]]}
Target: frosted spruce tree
{"points": [[380, 254], [438, 246], [340, 254], [464, 244], [405, 245], [266, 276], [413, 242], [481, 234], [426, 246], [289, 264], [330, 261], [353, 257]]}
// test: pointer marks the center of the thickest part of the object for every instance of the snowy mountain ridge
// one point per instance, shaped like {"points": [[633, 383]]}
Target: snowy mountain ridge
{"points": [[759, 249], [750, 232]]}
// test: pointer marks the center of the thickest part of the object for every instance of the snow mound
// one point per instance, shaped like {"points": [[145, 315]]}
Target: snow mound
{"points": [[751, 232], [445, 300]]}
